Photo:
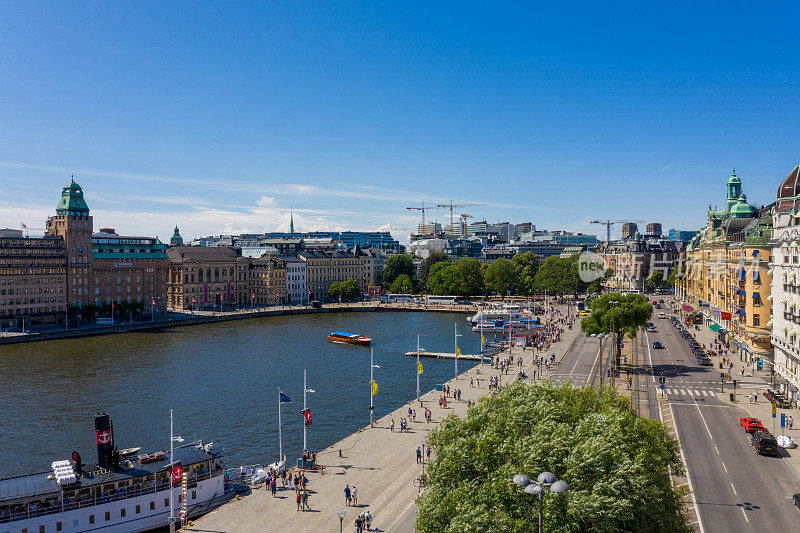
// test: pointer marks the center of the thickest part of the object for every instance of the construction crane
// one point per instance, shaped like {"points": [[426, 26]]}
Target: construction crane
{"points": [[464, 217], [610, 223], [451, 205], [424, 208]]}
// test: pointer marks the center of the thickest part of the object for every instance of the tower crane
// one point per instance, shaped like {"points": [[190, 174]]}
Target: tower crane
{"points": [[610, 223], [451, 205], [422, 209], [464, 217]]}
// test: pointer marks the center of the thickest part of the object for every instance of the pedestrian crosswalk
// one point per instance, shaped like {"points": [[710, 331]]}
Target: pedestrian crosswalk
{"points": [[690, 392]]}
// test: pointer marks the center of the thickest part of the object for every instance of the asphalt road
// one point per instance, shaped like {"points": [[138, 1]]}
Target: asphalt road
{"points": [[734, 488]]}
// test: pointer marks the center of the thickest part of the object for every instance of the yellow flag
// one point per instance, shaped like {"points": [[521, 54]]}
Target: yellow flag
{"points": [[483, 339], [419, 368], [458, 352], [374, 385]]}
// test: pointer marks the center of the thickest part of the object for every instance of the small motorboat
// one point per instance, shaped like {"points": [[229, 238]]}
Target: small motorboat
{"points": [[340, 337]]}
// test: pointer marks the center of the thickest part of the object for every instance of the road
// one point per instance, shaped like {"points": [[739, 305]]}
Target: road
{"points": [[734, 488]]}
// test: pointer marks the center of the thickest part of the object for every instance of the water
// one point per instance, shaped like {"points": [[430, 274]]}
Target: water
{"points": [[221, 380]]}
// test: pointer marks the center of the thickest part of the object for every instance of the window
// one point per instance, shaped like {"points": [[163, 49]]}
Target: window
{"points": [[138, 509], [166, 502], [756, 320], [58, 526], [91, 519], [122, 513], [194, 494], [152, 506], [108, 516], [41, 529]]}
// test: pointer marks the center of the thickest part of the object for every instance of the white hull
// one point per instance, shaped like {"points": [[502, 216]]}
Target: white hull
{"points": [[208, 494]]}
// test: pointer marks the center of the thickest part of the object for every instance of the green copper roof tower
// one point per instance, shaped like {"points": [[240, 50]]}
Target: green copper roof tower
{"points": [[176, 239], [72, 202], [734, 191]]}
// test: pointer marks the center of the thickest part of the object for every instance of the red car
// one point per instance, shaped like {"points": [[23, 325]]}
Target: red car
{"points": [[751, 425]]}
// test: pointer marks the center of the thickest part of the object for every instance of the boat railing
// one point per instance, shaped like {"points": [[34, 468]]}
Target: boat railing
{"points": [[120, 494], [244, 477]]}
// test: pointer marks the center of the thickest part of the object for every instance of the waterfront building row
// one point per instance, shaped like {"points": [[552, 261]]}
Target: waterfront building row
{"points": [[633, 262]]}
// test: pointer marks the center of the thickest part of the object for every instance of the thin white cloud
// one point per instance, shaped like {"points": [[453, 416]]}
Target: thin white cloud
{"points": [[265, 201], [302, 189], [666, 167]]}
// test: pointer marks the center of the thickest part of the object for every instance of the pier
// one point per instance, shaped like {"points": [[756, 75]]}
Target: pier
{"points": [[446, 355], [379, 462]]}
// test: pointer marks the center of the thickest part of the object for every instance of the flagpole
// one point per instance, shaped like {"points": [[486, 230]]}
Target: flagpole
{"points": [[305, 446], [371, 379], [455, 338], [280, 435], [417, 366]]}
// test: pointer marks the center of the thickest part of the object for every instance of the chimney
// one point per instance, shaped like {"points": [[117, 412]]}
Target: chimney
{"points": [[104, 437]]}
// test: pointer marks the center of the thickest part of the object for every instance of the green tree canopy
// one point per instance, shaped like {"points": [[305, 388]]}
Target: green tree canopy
{"points": [[559, 276], [502, 277], [427, 263], [347, 289], [402, 285], [625, 317], [656, 279], [616, 464], [461, 278], [527, 265], [396, 266]]}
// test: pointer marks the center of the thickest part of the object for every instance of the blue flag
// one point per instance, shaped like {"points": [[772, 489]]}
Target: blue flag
{"points": [[284, 398]]}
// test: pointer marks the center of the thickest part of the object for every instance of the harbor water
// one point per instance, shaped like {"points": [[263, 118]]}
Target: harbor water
{"points": [[222, 382]]}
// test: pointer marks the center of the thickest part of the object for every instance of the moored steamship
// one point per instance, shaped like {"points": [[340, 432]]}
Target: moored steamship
{"points": [[124, 491]]}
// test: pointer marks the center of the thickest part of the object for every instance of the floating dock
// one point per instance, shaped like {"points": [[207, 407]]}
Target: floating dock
{"points": [[445, 355]]}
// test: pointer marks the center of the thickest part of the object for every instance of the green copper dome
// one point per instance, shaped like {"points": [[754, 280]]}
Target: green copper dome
{"points": [[741, 208], [176, 239], [72, 202]]}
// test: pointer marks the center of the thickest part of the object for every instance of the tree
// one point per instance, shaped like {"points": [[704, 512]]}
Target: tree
{"points": [[402, 285], [527, 265], [616, 464], [656, 279], [427, 263], [560, 276], [623, 315], [396, 266], [502, 277], [462, 278], [348, 290]]}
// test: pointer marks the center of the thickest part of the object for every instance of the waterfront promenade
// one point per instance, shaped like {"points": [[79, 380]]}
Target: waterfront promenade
{"points": [[185, 318], [380, 463]]}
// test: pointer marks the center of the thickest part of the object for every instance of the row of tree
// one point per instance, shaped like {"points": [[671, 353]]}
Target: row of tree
{"points": [[524, 275]]}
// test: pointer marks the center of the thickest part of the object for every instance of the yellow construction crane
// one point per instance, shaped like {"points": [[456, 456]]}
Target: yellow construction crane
{"points": [[451, 205], [422, 209], [464, 217], [610, 223]]}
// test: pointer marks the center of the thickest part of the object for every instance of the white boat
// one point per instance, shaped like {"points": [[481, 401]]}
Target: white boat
{"points": [[121, 493], [260, 474]]}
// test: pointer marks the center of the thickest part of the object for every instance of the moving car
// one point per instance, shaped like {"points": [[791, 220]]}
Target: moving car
{"points": [[751, 424], [657, 344], [704, 361], [765, 443]]}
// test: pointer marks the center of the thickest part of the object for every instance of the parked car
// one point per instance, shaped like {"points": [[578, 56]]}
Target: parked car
{"points": [[657, 345], [765, 443], [796, 498], [751, 424], [704, 361]]}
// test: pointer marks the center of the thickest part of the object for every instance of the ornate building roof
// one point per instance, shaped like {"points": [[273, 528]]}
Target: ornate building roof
{"points": [[789, 192], [72, 202], [176, 239]]}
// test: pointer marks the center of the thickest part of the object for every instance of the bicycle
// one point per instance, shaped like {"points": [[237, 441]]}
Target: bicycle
{"points": [[421, 482]]}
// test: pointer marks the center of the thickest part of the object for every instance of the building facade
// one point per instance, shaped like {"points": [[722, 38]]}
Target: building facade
{"points": [[629, 230], [632, 262], [296, 285], [727, 283], [207, 278], [785, 242], [267, 281], [325, 268], [653, 229], [33, 279]]}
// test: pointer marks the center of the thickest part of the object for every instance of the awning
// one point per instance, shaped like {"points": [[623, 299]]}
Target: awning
{"points": [[715, 327], [741, 292], [688, 308], [755, 275], [755, 253], [756, 295], [769, 297], [742, 274]]}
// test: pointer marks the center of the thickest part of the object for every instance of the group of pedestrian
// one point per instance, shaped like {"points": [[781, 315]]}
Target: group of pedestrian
{"points": [[350, 496], [443, 402], [364, 521]]}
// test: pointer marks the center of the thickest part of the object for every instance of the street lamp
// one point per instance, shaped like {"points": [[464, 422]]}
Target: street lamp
{"points": [[341, 513], [545, 480]]}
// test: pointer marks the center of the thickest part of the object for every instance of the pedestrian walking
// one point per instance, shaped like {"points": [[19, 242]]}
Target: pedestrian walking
{"points": [[368, 520], [354, 494], [347, 495], [755, 397], [414, 416], [790, 422], [428, 453], [419, 455], [304, 501], [273, 486], [359, 524], [297, 494], [391, 425]]}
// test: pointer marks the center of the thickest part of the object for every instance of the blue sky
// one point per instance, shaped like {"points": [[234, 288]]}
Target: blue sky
{"points": [[219, 117]]}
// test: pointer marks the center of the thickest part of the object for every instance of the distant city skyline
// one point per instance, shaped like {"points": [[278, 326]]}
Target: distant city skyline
{"points": [[221, 120]]}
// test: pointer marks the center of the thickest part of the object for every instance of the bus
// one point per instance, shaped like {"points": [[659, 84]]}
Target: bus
{"points": [[442, 300], [104, 321], [400, 297]]}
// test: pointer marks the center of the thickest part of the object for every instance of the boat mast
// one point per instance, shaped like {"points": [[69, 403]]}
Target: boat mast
{"points": [[371, 408], [455, 337], [305, 389]]}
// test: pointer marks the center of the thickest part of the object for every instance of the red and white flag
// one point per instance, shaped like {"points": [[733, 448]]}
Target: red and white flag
{"points": [[307, 417], [177, 473]]}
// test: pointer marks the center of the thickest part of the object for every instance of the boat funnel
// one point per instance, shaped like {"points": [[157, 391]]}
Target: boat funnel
{"points": [[105, 441]]}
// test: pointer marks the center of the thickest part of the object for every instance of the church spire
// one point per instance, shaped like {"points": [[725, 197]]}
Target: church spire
{"points": [[291, 222]]}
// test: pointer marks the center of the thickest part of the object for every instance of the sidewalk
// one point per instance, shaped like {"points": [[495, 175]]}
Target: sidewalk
{"points": [[380, 463]]}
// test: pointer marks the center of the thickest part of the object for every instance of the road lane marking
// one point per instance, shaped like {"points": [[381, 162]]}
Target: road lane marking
{"points": [[734, 488], [745, 515], [688, 475], [710, 436], [715, 447], [726, 469]]}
